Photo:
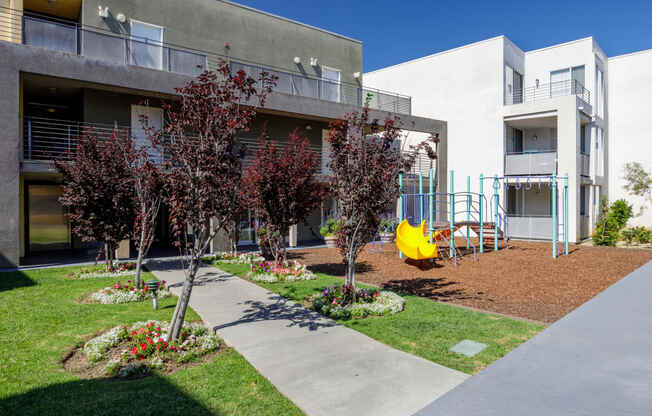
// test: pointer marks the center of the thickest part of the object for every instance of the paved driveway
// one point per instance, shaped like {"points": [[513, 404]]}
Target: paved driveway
{"points": [[595, 361]]}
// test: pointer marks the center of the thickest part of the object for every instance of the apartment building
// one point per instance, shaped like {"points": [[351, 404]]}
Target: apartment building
{"points": [[75, 65], [522, 116]]}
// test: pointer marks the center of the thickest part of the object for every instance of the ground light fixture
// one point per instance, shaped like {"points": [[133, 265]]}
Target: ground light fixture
{"points": [[152, 286]]}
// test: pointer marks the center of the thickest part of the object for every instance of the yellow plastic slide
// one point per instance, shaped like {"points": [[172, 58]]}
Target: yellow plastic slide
{"points": [[413, 242]]}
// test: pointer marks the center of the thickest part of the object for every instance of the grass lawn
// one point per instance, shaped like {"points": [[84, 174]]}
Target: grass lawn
{"points": [[425, 328], [40, 320]]}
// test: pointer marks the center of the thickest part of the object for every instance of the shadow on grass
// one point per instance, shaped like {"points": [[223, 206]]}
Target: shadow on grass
{"points": [[339, 269], [426, 288], [14, 280], [152, 395], [280, 309]]}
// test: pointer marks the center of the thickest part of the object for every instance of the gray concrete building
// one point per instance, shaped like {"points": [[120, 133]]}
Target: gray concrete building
{"points": [[68, 66]]}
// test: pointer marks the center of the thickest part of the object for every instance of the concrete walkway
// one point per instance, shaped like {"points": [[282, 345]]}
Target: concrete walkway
{"points": [[324, 368], [595, 361]]}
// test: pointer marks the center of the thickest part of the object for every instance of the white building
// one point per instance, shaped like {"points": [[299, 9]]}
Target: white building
{"points": [[514, 113]]}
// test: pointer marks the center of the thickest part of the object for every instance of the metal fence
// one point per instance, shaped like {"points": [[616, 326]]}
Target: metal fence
{"points": [[541, 92], [96, 43]]}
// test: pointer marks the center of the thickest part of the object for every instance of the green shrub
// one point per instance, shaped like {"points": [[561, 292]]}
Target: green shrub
{"points": [[642, 235], [611, 221], [621, 212], [629, 235], [387, 225], [331, 228]]}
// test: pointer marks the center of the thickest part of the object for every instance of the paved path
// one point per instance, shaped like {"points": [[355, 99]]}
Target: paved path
{"points": [[324, 368], [595, 361]]}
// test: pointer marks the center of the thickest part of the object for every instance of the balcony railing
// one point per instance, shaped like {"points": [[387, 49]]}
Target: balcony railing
{"points": [[542, 92], [531, 163], [530, 227], [122, 48], [48, 139]]}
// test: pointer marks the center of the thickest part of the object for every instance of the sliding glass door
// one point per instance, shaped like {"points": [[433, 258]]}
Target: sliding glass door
{"points": [[146, 45]]}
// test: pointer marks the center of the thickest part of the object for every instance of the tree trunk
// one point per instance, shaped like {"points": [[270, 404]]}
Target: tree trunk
{"points": [[141, 254], [350, 273], [182, 305]]}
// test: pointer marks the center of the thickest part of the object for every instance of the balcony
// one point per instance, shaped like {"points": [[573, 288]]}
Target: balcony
{"points": [[530, 227], [124, 49], [48, 139], [542, 92], [531, 163]]}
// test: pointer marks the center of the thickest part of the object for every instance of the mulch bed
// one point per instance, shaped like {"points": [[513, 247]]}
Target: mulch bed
{"points": [[522, 281]]}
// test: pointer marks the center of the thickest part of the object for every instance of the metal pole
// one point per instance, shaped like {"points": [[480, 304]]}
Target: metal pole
{"points": [[495, 212], [554, 215], [481, 201], [566, 214], [451, 248], [400, 205], [430, 197], [468, 210], [420, 197]]}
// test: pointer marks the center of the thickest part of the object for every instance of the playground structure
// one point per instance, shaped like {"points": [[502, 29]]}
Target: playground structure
{"points": [[470, 215]]}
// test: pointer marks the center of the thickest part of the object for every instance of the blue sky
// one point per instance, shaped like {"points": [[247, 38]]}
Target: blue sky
{"points": [[396, 31]]}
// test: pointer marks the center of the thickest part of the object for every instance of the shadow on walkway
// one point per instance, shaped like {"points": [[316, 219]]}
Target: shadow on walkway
{"points": [[280, 310]]}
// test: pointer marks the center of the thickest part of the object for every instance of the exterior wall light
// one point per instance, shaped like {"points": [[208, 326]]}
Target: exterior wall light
{"points": [[152, 287], [314, 61], [297, 60], [121, 18], [356, 75]]}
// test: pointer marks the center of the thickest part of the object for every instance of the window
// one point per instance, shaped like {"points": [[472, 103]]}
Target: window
{"points": [[599, 151], [146, 45], [599, 92], [514, 201], [514, 140], [567, 81], [583, 195], [513, 86], [585, 141], [331, 81]]}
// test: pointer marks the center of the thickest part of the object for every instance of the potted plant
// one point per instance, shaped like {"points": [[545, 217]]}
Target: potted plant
{"points": [[386, 229], [329, 232]]}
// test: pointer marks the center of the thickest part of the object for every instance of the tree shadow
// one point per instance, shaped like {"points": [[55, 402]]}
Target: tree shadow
{"points": [[277, 308], [426, 288], [152, 395], [339, 269], [14, 280]]}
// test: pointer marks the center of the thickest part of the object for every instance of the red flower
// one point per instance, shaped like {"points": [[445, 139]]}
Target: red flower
{"points": [[158, 348], [141, 356], [165, 344], [146, 288], [150, 341], [134, 350], [143, 346]]}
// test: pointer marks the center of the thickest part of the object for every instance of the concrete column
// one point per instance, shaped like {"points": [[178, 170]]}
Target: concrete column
{"points": [[292, 237], [568, 153], [9, 165]]}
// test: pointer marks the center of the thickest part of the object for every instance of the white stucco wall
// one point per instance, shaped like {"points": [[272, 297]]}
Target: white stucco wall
{"points": [[462, 86], [630, 122]]}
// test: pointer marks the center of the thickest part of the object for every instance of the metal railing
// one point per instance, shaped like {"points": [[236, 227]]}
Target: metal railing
{"points": [[48, 139], [542, 92], [585, 164], [122, 48]]}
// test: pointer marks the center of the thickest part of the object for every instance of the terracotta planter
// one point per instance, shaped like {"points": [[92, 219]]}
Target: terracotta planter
{"points": [[330, 241], [386, 238]]}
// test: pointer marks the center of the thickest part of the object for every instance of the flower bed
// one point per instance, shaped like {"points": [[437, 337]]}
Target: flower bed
{"points": [[237, 258], [137, 350], [337, 302], [101, 271], [125, 293], [271, 272]]}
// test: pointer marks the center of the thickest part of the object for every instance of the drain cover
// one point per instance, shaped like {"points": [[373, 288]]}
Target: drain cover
{"points": [[468, 347]]}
